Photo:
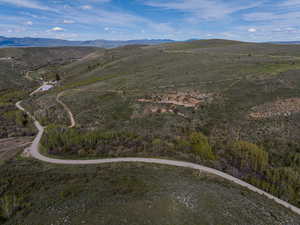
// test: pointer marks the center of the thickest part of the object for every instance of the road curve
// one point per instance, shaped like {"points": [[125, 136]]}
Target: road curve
{"points": [[72, 120], [33, 150]]}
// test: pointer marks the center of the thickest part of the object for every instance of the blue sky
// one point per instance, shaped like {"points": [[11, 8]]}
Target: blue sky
{"points": [[247, 20]]}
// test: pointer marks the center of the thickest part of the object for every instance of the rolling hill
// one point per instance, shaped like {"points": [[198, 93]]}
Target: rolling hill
{"points": [[155, 100], [230, 105]]}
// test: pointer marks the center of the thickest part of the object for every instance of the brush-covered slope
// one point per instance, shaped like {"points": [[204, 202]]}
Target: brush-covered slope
{"points": [[231, 105], [210, 43], [234, 106], [15, 62], [16, 81], [128, 194]]}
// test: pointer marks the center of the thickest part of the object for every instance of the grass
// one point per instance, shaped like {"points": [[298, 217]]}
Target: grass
{"points": [[212, 43], [273, 68], [87, 82]]}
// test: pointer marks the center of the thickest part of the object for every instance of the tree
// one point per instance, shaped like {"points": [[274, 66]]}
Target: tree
{"points": [[200, 146], [57, 77], [246, 155], [21, 118]]}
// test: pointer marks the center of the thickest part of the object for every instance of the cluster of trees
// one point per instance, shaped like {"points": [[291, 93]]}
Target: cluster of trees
{"points": [[64, 141], [244, 155], [196, 143], [9, 204], [283, 182], [253, 163], [19, 117], [60, 140]]}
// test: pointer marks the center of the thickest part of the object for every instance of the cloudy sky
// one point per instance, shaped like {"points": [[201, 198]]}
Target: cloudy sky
{"points": [[248, 20]]}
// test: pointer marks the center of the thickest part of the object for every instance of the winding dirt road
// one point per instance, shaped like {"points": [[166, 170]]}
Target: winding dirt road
{"points": [[33, 151], [72, 120]]}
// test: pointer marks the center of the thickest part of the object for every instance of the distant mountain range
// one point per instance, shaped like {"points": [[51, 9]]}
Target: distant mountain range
{"points": [[47, 42], [286, 42]]}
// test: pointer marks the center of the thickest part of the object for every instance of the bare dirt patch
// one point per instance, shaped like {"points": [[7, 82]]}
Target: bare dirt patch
{"points": [[187, 99], [150, 109], [285, 107], [11, 146]]}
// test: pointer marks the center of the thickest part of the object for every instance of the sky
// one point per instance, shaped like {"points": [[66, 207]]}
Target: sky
{"points": [[246, 20]]}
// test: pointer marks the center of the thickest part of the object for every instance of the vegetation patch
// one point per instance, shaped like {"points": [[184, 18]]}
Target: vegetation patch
{"points": [[88, 81], [36, 193]]}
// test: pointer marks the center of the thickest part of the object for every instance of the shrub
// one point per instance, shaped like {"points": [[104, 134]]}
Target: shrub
{"points": [[201, 147]]}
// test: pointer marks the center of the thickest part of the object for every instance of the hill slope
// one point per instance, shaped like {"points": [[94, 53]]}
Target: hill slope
{"points": [[160, 100], [130, 194], [229, 105], [16, 80], [15, 62]]}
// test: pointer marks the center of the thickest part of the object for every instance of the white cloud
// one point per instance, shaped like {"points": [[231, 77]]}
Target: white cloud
{"points": [[68, 21], [252, 30], [57, 29], [204, 9], [162, 27], [30, 23], [290, 3], [87, 7], [26, 4]]}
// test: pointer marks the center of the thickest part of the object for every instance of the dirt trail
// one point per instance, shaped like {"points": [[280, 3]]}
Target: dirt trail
{"points": [[27, 76], [72, 120]]}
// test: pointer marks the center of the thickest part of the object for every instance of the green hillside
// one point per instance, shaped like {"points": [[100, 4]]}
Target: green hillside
{"points": [[210, 43], [230, 105], [17, 70], [129, 194], [148, 101], [15, 62]]}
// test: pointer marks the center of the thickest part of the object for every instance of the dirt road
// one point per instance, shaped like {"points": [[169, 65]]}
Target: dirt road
{"points": [[72, 120]]}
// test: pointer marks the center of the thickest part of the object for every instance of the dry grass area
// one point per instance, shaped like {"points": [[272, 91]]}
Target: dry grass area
{"points": [[186, 99], [285, 107], [11, 146], [150, 109]]}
